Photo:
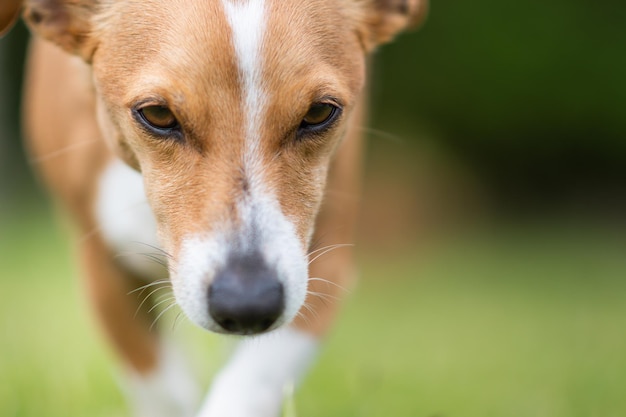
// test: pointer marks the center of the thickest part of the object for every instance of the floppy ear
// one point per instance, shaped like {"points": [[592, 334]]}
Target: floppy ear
{"points": [[384, 19], [9, 10], [68, 23]]}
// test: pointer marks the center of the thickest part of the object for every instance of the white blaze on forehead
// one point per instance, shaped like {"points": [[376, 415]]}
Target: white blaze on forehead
{"points": [[247, 21]]}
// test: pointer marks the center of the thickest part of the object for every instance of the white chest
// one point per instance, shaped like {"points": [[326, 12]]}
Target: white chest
{"points": [[126, 221]]}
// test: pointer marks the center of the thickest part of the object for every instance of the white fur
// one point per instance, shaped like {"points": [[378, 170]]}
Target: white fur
{"points": [[126, 220], [168, 391], [199, 259], [247, 21], [262, 369]]}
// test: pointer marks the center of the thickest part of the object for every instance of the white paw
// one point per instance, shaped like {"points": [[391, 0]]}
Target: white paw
{"points": [[168, 391], [254, 381], [231, 397]]}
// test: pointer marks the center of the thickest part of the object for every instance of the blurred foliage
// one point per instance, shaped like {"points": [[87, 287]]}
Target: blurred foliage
{"points": [[530, 94], [528, 72], [14, 176]]}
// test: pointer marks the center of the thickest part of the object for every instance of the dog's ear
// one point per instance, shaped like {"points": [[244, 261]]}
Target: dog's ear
{"points": [[384, 19], [9, 10], [68, 23]]}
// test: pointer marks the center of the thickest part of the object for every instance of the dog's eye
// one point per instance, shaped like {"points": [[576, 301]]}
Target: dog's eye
{"points": [[319, 116], [158, 117]]}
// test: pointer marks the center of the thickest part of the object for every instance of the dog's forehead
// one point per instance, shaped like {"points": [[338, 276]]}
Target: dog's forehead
{"points": [[202, 48]]}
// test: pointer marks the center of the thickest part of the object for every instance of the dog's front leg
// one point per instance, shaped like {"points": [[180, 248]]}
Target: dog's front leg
{"points": [[262, 369], [155, 377]]}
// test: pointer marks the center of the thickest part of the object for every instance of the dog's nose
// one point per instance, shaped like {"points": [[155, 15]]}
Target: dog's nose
{"points": [[246, 296]]}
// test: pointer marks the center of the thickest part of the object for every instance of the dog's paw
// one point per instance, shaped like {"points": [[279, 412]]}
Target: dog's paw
{"points": [[254, 382], [234, 395], [168, 391]]}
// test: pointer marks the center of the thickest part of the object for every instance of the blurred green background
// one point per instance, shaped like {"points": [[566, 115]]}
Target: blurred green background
{"points": [[493, 238]]}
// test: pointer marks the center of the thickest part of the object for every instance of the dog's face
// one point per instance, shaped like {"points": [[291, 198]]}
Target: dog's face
{"points": [[231, 109]]}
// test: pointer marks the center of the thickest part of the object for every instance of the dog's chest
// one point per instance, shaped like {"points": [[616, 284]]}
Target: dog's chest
{"points": [[126, 221]]}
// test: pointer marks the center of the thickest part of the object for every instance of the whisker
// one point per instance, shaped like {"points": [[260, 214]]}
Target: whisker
{"points": [[347, 291], [164, 286], [165, 310], [153, 257], [323, 296], [324, 251], [178, 316], [162, 296], [156, 248], [322, 299], [317, 242], [59, 152], [149, 256], [311, 310], [148, 296], [383, 135], [321, 238], [171, 298], [327, 247], [152, 284], [303, 317]]}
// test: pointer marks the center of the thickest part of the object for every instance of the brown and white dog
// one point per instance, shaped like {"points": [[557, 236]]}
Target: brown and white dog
{"points": [[212, 130]]}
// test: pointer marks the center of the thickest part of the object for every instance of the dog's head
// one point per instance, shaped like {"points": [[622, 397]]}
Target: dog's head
{"points": [[231, 109]]}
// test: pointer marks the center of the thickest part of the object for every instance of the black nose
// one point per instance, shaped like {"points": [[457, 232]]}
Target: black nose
{"points": [[245, 296]]}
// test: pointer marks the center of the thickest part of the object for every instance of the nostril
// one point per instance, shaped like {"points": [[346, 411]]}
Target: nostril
{"points": [[228, 324], [246, 300], [266, 324]]}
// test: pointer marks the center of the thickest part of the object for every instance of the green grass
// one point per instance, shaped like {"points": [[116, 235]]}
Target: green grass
{"points": [[523, 322]]}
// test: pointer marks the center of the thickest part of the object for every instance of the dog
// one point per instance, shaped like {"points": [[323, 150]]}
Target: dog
{"points": [[225, 136]]}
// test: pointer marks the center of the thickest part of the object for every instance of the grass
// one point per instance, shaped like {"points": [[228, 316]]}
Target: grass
{"points": [[524, 322]]}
